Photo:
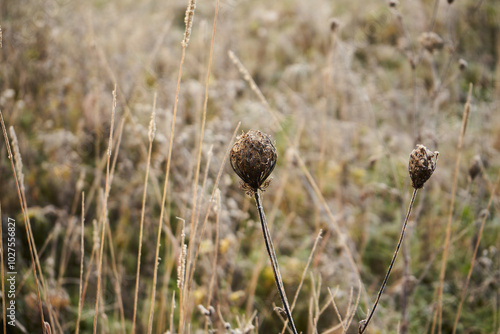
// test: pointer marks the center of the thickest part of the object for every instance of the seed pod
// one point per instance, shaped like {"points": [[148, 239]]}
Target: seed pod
{"points": [[431, 41], [462, 64], [253, 158], [422, 165], [475, 167], [334, 24]]}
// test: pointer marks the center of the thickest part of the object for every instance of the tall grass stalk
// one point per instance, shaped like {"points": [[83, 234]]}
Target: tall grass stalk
{"points": [[474, 255], [82, 253], [151, 135], [213, 195], [104, 214], [439, 311], [191, 262], [302, 279], [25, 217], [185, 42]]}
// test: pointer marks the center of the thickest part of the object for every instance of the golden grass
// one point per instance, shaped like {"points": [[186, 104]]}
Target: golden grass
{"points": [[345, 88]]}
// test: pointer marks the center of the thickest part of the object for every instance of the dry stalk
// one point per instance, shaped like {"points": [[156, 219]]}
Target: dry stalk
{"points": [[474, 255], [27, 224], [253, 158], [438, 314], [191, 264], [302, 279], [151, 135], [421, 166], [104, 213], [82, 253], [189, 23]]}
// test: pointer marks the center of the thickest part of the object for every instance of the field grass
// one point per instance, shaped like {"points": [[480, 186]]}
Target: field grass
{"points": [[120, 128]]}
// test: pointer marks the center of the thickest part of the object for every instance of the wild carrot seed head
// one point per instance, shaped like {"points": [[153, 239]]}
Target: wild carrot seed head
{"points": [[421, 166], [253, 158]]}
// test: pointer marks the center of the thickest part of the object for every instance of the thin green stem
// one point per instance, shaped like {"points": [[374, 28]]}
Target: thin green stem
{"points": [[363, 324], [274, 262]]}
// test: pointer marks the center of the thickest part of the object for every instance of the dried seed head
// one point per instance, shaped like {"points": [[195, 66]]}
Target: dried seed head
{"points": [[253, 158], [475, 168], [462, 64], [393, 3], [188, 20], [422, 165], [431, 41], [334, 24]]}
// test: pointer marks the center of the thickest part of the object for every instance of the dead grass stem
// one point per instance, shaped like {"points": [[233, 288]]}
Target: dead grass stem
{"points": [[438, 312], [82, 253], [474, 255], [104, 212], [152, 130], [27, 224]]}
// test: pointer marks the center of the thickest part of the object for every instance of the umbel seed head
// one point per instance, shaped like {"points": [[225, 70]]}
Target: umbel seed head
{"points": [[253, 158], [422, 165]]}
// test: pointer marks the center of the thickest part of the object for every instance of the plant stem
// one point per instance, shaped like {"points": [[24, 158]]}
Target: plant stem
{"points": [[363, 324], [274, 262]]}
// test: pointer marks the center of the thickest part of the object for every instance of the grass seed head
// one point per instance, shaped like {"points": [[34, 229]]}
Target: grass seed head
{"points": [[253, 158], [422, 165]]}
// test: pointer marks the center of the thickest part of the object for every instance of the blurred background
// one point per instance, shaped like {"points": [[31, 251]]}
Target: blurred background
{"points": [[348, 88]]}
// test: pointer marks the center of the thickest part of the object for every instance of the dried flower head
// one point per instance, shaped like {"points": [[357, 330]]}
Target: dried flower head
{"points": [[462, 64], [393, 3], [422, 165], [253, 157], [334, 24], [431, 41], [475, 167]]}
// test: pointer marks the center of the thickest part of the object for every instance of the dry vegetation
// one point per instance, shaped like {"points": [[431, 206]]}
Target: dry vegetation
{"points": [[346, 101]]}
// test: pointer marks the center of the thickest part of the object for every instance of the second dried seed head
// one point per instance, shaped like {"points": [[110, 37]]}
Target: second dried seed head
{"points": [[253, 158], [422, 165]]}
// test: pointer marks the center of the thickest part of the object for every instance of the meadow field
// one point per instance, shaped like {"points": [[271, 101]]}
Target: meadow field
{"points": [[119, 207]]}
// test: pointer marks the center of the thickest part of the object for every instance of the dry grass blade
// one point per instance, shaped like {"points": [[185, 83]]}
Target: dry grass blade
{"points": [[152, 130], [25, 215], [104, 213], [474, 255], [442, 272], [189, 23], [196, 209], [82, 253], [302, 279]]}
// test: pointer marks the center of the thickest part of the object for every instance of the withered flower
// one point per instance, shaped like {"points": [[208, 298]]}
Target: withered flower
{"points": [[253, 158], [431, 41], [422, 165], [475, 167]]}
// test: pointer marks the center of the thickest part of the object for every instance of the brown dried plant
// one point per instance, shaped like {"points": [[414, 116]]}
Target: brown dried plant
{"points": [[253, 158], [420, 167]]}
